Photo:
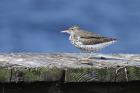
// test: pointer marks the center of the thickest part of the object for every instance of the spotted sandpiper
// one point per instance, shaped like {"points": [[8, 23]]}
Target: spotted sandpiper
{"points": [[88, 41]]}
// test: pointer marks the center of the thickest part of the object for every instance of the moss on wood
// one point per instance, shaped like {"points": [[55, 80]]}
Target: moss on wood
{"points": [[66, 67]]}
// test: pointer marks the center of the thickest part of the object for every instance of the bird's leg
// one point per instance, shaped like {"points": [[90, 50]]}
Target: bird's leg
{"points": [[86, 60], [90, 56]]}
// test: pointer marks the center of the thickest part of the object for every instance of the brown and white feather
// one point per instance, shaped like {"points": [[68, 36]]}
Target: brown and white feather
{"points": [[88, 41]]}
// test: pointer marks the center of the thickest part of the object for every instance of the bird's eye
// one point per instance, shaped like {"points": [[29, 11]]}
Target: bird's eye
{"points": [[71, 29]]}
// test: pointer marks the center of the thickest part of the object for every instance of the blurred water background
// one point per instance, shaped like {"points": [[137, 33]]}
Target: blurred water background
{"points": [[35, 25]]}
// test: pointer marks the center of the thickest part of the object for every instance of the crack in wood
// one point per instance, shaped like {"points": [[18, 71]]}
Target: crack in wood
{"points": [[11, 74]]}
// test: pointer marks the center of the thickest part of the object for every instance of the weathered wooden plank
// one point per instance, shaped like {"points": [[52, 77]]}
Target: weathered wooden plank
{"points": [[69, 67]]}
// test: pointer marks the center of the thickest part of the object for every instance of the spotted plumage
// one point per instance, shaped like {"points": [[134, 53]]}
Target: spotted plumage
{"points": [[88, 41]]}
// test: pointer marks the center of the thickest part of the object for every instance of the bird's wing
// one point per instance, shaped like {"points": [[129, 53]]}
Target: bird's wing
{"points": [[89, 38], [85, 34], [91, 41]]}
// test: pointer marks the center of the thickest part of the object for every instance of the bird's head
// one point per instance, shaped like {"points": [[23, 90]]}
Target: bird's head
{"points": [[71, 30]]}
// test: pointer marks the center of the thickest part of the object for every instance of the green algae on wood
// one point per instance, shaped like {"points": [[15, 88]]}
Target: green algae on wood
{"points": [[67, 67]]}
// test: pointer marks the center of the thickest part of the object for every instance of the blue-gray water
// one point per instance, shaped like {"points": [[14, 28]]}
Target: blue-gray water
{"points": [[35, 25]]}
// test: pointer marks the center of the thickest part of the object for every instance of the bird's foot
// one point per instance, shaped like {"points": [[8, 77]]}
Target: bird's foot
{"points": [[85, 61]]}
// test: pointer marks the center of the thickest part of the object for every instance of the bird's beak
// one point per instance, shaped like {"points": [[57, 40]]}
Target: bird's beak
{"points": [[65, 31]]}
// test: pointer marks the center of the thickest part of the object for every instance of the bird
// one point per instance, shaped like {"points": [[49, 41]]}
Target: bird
{"points": [[88, 41]]}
